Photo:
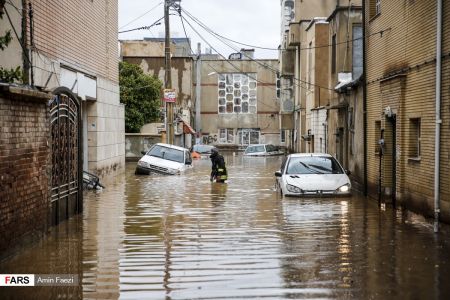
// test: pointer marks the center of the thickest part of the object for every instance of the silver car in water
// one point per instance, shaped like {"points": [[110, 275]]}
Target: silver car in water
{"points": [[312, 174]]}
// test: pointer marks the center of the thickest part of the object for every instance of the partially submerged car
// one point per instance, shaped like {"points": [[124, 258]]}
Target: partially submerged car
{"points": [[164, 159], [201, 151], [262, 150], [312, 174]]}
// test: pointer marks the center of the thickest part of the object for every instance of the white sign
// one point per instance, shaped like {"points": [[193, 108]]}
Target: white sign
{"points": [[170, 95]]}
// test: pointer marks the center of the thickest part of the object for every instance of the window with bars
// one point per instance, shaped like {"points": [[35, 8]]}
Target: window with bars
{"points": [[226, 135], [237, 93], [414, 137], [248, 136]]}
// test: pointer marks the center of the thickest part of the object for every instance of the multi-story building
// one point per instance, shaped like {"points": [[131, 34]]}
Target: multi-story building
{"points": [[73, 44], [404, 97], [321, 60], [294, 66], [344, 124], [64, 117], [238, 101]]}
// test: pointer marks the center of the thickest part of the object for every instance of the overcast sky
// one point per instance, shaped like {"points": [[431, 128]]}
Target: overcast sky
{"points": [[254, 22]]}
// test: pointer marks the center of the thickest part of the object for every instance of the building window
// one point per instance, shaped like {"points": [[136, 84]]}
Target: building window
{"points": [[237, 93], [310, 63], [374, 8], [377, 7], [278, 86], [283, 136], [248, 136], [414, 137], [357, 49], [226, 136], [333, 54]]}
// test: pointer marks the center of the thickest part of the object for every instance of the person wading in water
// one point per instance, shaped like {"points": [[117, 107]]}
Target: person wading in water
{"points": [[218, 169]]}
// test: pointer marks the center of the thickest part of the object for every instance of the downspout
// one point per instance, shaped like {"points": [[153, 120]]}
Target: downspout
{"points": [[437, 140], [364, 85]]}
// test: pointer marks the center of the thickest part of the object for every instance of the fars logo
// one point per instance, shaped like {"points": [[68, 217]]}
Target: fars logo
{"points": [[17, 280]]}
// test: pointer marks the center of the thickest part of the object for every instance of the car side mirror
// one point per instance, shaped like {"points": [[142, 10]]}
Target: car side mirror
{"points": [[278, 174], [348, 172], [143, 152], [188, 162]]}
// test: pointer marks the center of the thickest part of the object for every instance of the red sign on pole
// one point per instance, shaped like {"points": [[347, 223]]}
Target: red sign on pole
{"points": [[170, 96]]}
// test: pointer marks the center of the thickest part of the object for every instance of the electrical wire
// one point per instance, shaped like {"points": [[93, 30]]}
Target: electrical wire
{"points": [[275, 71], [278, 49], [142, 15], [19, 11], [215, 70], [143, 27]]}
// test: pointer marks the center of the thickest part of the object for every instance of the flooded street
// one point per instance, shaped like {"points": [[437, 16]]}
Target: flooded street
{"points": [[182, 237]]}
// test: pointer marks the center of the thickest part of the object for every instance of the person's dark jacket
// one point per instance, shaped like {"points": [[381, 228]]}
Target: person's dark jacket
{"points": [[218, 165]]}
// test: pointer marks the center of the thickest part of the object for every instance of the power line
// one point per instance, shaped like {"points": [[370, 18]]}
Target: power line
{"points": [[278, 49], [141, 15], [250, 58], [215, 70], [234, 66], [143, 27]]}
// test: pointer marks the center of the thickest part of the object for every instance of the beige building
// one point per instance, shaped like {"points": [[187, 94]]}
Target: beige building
{"points": [[321, 95], [297, 17], [345, 124], [239, 102], [149, 55], [402, 67], [74, 45]]}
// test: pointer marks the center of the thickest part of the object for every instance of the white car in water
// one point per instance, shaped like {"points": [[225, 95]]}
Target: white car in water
{"points": [[165, 159], [312, 174], [262, 150]]}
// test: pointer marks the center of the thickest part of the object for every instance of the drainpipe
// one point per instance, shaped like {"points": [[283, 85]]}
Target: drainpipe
{"points": [[364, 85], [437, 140]]}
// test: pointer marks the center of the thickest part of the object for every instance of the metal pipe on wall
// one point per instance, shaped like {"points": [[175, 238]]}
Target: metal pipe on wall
{"points": [[437, 141]]}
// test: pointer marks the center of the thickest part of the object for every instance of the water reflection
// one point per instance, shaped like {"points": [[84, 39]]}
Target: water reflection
{"points": [[182, 237]]}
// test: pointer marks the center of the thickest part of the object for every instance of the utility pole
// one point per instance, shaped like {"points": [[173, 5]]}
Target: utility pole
{"points": [[198, 91], [168, 75]]}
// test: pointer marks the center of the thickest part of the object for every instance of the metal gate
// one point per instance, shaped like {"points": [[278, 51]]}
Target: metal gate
{"points": [[66, 177]]}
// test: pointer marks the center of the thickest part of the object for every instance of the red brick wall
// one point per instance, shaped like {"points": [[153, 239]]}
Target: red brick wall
{"points": [[24, 164], [81, 33]]}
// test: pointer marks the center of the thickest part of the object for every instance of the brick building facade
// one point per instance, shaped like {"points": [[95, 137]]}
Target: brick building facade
{"points": [[24, 165], [68, 51], [73, 44], [401, 91]]}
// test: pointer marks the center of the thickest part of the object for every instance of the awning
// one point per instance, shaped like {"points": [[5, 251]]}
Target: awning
{"points": [[346, 82], [187, 129]]}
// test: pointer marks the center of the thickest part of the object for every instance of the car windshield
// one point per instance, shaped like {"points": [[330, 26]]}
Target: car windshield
{"points": [[254, 149], [313, 165], [271, 148], [202, 148], [167, 153]]}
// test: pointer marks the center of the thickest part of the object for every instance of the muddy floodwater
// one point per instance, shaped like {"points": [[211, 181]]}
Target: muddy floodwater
{"points": [[182, 237]]}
